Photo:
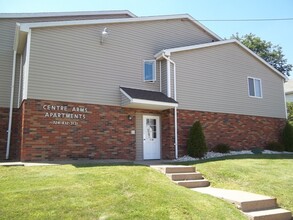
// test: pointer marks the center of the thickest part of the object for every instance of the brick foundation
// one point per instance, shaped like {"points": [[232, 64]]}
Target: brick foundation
{"points": [[239, 131], [15, 139], [104, 132], [168, 137]]}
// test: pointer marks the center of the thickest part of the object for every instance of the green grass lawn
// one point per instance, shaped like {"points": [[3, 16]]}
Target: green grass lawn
{"points": [[270, 175], [102, 192]]}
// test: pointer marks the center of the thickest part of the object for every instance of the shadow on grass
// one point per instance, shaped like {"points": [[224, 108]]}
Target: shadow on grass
{"points": [[236, 157], [101, 164], [113, 163]]}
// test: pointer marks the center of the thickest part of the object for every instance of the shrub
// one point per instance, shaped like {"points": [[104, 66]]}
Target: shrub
{"points": [[196, 144], [222, 148], [275, 146], [287, 137]]}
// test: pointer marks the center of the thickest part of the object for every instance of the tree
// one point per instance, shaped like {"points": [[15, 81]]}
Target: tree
{"points": [[290, 112], [196, 144], [287, 137], [272, 54]]}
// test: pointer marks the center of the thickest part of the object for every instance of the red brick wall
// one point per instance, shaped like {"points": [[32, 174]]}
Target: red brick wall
{"points": [[105, 133], [15, 140], [168, 137], [239, 131]]}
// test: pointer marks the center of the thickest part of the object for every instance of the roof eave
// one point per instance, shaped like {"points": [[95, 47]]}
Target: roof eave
{"points": [[26, 26], [65, 14]]}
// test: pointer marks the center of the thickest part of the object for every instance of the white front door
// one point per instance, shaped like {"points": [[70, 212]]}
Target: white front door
{"points": [[151, 137]]}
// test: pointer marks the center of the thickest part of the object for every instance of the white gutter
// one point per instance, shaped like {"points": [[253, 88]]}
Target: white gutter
{"points": [[175, 98], [11, 106]]}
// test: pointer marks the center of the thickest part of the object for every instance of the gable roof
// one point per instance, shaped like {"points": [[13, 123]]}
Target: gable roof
{"points": [[65, 14], [213, 44], [26, 26], [147, 95]]}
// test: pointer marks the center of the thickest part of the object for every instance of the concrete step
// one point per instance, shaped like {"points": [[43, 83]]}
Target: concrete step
{"points": [[245, 201], [258, 204], [193, 183], [270, 214], [185, 176], [179, 169]]}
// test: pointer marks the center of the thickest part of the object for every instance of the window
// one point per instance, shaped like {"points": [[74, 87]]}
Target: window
{"points": [[149, 67], [254, 87]]}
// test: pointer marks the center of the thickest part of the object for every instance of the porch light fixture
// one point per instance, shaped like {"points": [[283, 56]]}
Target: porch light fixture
{"points": [[129, 117], [104, 35]]}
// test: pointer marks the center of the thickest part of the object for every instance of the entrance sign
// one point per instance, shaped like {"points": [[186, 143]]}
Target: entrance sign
{"points": [[65, 115]]}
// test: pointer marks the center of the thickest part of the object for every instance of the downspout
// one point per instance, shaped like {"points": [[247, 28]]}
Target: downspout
{"points": [[168, 76], [11, 106], [175, 98], [160, 76]]}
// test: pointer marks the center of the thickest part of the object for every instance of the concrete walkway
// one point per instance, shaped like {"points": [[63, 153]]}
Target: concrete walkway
{"points": [[254, 206], [65, 162]]}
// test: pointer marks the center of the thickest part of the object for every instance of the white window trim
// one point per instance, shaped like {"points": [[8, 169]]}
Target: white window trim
{"points": [[261, 92], [155, 71]]}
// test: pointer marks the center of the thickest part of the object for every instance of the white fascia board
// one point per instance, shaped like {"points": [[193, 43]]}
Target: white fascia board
{"points": [[124, 93], [205, 28], [261, 60], [64, 14], [16, 37], [149, 102], [26, 26], [168, 52]]}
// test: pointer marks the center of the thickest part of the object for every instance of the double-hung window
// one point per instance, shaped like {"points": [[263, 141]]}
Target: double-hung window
{"points": [[149, 70], [254, 87]]}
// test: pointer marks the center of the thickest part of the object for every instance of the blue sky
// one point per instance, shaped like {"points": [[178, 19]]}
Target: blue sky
{"points": [[278, 32]]}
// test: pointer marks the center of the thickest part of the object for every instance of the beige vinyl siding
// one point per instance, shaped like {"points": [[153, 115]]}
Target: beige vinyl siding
{"points": [[7, 30], [124, 100], [289, 97], [70, 64], [214, 79], [6, 61], [139, 136], [164, 76]]}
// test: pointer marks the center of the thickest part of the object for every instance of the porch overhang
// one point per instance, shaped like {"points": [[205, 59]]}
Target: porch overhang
{"points": [[143, 99]]}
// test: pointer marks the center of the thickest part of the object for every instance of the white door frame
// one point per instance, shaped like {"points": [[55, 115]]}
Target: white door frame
{"points": [[151, 145]]}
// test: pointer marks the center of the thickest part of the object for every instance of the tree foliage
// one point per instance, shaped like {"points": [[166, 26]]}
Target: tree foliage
{"points": [[290, 112], [272, 54], [196, 144], [287, 137]]}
